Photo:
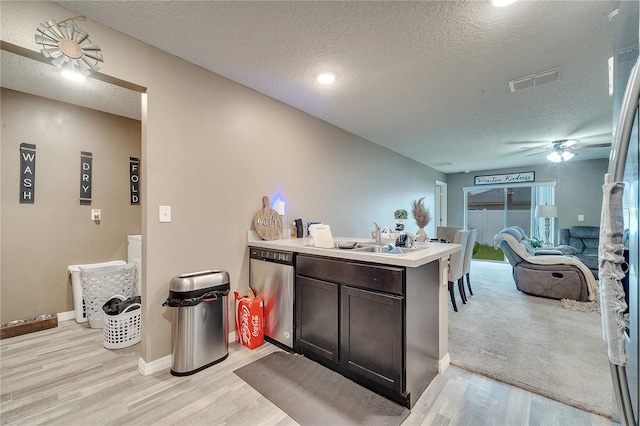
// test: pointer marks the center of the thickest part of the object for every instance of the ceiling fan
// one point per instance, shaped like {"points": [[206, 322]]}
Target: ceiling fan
{"points": [[562, 149]]}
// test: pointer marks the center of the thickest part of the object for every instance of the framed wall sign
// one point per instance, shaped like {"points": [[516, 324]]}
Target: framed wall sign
{"points": [[134, 180], [27, 173], [518, 177], [86, 165]]}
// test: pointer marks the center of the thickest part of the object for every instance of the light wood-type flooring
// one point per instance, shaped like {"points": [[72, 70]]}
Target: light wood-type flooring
{"points": [[64, 376]]}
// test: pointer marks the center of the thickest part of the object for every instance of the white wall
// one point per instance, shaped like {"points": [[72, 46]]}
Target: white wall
{"points": [[212, 148], [578, 190]]}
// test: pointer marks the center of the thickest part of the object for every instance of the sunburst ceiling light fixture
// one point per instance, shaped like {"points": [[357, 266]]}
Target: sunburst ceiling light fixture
{"points": [[69, 46]]}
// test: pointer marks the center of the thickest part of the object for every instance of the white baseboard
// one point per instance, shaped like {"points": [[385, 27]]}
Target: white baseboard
{"points": [[444, 363], [148, 368], [66, 316]]}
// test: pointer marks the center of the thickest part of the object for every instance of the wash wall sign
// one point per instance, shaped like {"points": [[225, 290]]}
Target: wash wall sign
{"points": [[505, 178], [27, 173]]}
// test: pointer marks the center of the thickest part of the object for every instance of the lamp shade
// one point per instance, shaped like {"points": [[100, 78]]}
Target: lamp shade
{"points": [[547, 211]]}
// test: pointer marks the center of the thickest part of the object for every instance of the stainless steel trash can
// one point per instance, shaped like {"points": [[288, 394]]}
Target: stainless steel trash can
{"points": [[200, 324]]}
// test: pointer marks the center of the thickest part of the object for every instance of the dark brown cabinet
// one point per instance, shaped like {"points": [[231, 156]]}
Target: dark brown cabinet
{"points": [[350, 316], [317, 317], [371, 336]]}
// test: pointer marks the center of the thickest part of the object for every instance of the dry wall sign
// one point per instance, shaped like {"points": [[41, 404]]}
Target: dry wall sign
{"points": [[27, 173], [134, 179], [86, 165]]}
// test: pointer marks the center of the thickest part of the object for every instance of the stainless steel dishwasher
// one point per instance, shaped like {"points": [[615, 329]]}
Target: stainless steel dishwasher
{"points": [[271, 276]]}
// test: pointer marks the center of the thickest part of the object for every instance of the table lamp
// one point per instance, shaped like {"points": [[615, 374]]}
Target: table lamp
{"points": [[547, 212]]}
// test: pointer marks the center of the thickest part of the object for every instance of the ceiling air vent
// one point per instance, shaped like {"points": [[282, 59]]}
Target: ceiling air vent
{"points": [[534, 79]]}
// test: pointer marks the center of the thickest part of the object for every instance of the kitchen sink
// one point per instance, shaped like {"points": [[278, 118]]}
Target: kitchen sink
{"points": [[372, 249], [384, 249]]}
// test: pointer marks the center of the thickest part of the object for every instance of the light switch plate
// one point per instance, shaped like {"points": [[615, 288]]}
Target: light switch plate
{"points": [[580, 218], [95, 214], [165, 214]]}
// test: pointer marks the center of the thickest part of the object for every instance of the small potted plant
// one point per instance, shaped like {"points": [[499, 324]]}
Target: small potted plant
{"points": [[422, 216], [400, 215]]}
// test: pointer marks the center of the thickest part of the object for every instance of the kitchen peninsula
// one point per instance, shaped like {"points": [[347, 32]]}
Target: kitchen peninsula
{"points": [[377, 318]]}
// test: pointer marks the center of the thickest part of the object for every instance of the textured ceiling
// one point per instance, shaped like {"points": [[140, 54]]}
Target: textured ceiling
{"points": [[46, 80], [426, 79]]}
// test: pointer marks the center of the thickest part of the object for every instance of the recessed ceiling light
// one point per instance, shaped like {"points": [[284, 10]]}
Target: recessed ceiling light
{"points": [[73, 75], [502, 3], [326, 78]]}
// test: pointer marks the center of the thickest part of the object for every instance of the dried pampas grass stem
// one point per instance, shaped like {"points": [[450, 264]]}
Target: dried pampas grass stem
{"points": [[420, 212]]}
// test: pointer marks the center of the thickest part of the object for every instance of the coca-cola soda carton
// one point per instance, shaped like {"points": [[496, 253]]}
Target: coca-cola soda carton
{"points": [[249, 327]]}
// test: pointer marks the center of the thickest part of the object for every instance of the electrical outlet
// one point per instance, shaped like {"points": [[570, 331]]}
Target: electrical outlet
{"points": [[164, 213], [580, 218]]}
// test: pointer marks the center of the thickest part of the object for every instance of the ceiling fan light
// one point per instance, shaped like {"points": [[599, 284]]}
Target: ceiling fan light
{"points": [[566, 155], [555, 157]]}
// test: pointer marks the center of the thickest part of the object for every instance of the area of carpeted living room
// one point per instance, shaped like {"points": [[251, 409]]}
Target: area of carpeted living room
{"points": [[531, 342]]}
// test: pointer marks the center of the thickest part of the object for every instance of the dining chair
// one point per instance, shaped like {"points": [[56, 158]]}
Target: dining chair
{"points": [[446, 232], [456, 263], [468, 254]]}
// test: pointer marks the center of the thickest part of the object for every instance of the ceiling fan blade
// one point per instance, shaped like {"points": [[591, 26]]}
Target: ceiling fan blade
{"points": [[594, 145], [565, 143], [535, 153], [526, 143]]}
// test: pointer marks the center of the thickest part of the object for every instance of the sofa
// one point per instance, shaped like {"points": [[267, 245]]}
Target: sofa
{"points": [[545, 273], [583, 240]]}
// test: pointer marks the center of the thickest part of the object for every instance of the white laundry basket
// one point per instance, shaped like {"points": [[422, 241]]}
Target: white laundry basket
{"points": [[123, 330], [76, 285], [100, 285]]}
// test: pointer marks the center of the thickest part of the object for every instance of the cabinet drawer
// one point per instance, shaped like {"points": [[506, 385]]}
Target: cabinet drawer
{"points": [[381, 278]]}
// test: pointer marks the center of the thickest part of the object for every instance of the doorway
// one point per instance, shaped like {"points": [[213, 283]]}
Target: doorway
{"points": [[440, 216], [491, 208]]}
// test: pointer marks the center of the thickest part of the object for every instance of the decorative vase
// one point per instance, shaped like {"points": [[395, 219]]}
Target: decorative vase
{"points": [[421, 236], [400, 225]]}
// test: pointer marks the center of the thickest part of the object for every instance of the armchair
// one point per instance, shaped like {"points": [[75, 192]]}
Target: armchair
{"points": [[584, 241], [554, 276]]}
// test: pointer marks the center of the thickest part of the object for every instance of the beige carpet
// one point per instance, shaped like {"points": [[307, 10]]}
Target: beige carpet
{"points": [[530, 342]]}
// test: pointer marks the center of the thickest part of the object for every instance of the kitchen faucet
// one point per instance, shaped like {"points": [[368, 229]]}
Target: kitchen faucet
{"points": [[377, 234]]}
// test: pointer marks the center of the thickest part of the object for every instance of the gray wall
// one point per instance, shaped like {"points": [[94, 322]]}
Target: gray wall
{"points": [[40, 240], [212, 148], [578, 190]]}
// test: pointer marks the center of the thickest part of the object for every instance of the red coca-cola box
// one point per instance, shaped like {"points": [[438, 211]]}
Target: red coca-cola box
{"points": [[249, 327]]}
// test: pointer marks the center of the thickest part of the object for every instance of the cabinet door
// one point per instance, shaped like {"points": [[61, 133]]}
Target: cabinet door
{"points": [[317, 317], [371, 336]]}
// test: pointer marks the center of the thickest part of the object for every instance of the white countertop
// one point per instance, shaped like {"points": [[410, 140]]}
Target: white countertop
{"points": [[431, 252]]}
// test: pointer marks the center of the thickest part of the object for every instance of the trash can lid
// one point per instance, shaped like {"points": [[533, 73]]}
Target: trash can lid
{"points": [[198, 280]]}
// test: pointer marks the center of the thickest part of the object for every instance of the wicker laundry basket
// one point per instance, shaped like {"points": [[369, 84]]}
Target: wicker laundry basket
{"points": [[122, 330], [100, 285]]}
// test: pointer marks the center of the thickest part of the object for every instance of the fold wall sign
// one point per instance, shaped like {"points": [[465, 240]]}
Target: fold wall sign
{"points": [[27, 173], [86, 166], [134, 180]]}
